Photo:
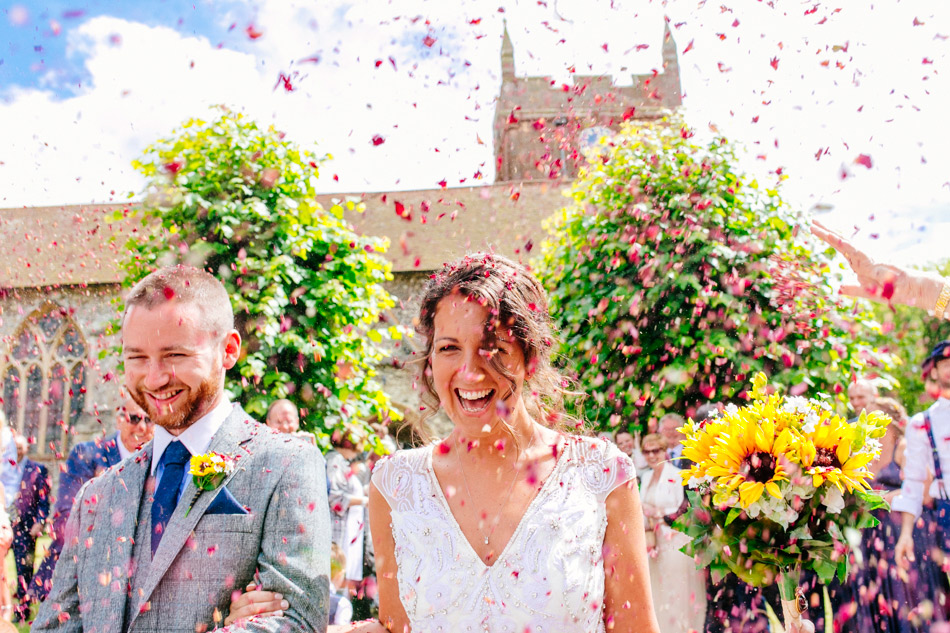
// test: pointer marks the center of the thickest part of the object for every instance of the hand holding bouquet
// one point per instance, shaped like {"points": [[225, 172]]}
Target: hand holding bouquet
{"points": [[777, 486]]}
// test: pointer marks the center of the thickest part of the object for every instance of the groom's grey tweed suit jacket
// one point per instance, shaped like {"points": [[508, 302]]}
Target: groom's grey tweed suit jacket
{"points": [[106, 581]]}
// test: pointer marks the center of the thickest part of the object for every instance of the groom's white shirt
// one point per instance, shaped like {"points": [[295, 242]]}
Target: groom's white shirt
{"points": [[919, 458], [196, 438]]}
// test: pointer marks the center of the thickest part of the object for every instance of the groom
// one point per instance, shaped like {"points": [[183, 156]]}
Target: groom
{"points": [[145, 549]]}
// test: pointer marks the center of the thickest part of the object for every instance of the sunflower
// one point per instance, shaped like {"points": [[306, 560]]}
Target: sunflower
{"points": [[748, 457], [826, 455], [697, 447]]}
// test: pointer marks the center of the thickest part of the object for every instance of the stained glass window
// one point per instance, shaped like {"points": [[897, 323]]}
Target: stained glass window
{"points": [[44, 379]]}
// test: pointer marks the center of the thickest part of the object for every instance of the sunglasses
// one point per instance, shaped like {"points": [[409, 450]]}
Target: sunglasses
{"points": [[653, 451], [135, 418]]}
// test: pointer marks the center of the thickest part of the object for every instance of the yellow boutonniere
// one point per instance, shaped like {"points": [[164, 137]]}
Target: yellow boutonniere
{"points": [[208, 472]]}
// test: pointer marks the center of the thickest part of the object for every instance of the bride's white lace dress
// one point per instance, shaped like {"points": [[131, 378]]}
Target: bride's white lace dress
{"points": [[550, 576]]}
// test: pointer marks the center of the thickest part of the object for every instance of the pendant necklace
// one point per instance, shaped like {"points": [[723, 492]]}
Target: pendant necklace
{"points": [[468, 490]]}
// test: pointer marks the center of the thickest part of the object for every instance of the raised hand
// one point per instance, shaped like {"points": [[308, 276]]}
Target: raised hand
{"points": [[881, 282]]}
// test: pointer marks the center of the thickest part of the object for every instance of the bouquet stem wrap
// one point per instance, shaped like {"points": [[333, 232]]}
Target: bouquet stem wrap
{"points": [[792, 598]]}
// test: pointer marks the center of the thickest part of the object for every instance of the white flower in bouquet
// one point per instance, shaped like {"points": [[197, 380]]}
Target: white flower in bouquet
{"points": [[833, 499]]}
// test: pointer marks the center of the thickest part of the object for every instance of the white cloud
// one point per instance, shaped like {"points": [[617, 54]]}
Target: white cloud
{"points": [[78, 149]]}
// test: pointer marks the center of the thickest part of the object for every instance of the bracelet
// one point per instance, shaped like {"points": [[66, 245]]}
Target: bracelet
{"points": [[942, 300]]}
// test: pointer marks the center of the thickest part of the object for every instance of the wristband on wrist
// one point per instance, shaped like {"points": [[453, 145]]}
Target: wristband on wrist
{"points": [[942, 300]]}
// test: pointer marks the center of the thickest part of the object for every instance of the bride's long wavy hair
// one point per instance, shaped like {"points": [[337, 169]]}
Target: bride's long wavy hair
{"points": [[516, 302]]}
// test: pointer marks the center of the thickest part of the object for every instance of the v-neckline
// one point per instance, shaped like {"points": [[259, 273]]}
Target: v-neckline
{"points": [[528, 510]]}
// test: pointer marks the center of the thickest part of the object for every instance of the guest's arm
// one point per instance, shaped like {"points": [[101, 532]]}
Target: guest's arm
{"points": [[884, 282], [918, 463]]}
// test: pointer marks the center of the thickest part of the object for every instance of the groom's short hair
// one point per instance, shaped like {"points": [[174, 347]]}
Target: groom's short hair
{"points": [[185, 285]]}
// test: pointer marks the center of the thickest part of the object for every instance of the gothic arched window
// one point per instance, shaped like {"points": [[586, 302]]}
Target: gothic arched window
{"points": [[44, 379]]}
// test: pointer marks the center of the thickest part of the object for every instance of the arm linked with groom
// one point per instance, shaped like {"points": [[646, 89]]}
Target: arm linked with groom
{"points": [[145, 550]]}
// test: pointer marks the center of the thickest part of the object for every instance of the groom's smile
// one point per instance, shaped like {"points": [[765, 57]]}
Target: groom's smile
{"points": [[174, 367]]}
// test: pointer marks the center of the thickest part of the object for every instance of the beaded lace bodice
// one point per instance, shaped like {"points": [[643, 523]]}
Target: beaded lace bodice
{"points": [[550, 576]]}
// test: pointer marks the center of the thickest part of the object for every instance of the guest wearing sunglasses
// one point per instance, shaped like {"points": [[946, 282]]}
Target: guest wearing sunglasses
{"points": [[87, 460]]}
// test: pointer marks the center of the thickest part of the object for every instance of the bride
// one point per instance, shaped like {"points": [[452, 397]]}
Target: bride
{"points": [[509, 524]]}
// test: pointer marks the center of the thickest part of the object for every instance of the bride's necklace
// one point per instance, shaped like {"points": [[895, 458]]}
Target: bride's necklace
{"points": [[487, 537]]}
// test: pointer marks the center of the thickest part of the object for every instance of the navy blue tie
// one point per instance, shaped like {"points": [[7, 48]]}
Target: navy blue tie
{"points": [[166, 495]]}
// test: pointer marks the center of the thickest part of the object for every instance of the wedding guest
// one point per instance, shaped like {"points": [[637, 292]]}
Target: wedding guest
{"points": [[509, 523], [630, 445], [891, 284], [87, 460], [347, 499], [861, 393], [670, 429], [31, 509], [679, 589], [282, 416], [926, 469], [341, 609]]}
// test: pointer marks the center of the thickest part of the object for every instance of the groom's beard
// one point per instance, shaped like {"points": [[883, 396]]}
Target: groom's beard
{"points": [[193, 405]]}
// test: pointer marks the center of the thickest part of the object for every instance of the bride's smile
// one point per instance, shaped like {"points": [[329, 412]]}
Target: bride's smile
{"points": [[478, 375]]}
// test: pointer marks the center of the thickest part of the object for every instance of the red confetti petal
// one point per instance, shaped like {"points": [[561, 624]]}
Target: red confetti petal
{"points": [[887, 291]]}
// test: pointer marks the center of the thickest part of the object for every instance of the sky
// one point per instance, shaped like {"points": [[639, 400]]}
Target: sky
{"points": [[847, 100]]}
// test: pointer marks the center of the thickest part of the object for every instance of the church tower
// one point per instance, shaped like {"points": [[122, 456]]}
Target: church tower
{"points": [[540, 125]]}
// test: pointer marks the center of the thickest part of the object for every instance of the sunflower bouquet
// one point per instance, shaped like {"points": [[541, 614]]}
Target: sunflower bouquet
{"points": [[777, 486]]}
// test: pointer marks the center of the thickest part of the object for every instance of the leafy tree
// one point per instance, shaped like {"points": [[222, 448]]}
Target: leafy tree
{"points": [[239, 200], [674, 278], [909, 334]]}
